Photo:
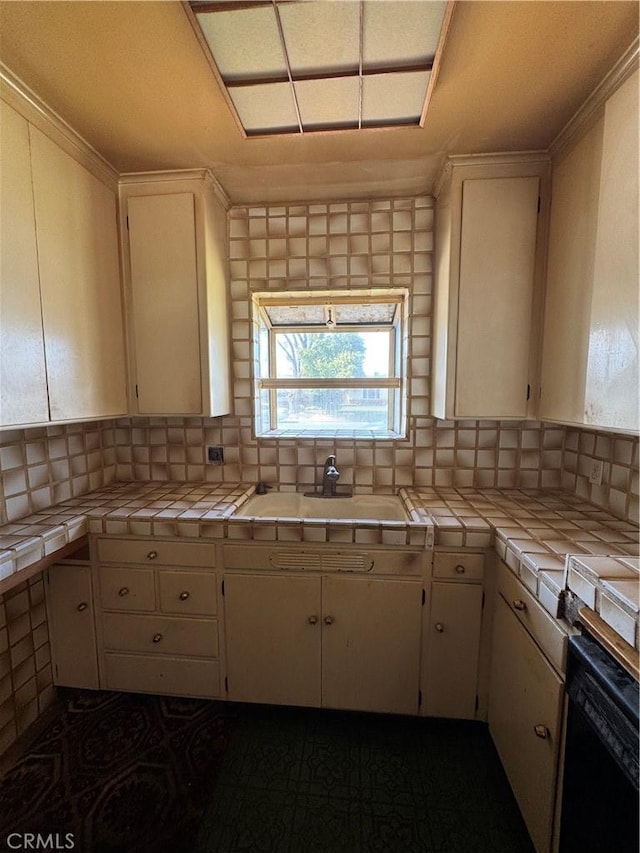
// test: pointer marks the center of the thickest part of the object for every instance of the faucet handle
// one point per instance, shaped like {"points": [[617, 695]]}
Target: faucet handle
{"points": [[261, 488]]}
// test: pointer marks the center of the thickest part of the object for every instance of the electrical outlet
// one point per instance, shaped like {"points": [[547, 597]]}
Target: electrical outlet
{"points": [[595, 474], [215, 455]]}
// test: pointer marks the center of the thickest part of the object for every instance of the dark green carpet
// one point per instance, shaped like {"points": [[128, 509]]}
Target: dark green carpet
{"points": [[307, 781]]}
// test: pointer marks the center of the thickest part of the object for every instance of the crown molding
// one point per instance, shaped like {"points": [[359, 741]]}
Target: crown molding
{"points": [[496, 158], [24, 100], [623, 69], [175, 175]]}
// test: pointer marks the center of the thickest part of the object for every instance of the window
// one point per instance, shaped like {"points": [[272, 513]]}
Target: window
{"points": [[330, 363]]}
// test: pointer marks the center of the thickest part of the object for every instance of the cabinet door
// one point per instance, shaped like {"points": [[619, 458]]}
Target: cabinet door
{"points": [[71, 625], [453, 648], [497, 264], [611, 397], [567, 316], [371, 644], [273, 633], [80, 286], [23, 384], [525, 721], [164, 284]]}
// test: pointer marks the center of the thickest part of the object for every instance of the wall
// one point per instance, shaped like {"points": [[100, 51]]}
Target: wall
{"points": [[348, 245]]}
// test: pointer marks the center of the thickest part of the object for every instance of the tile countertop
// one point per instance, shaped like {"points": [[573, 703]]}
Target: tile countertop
{"points": [[552, 540], [543, 536]]}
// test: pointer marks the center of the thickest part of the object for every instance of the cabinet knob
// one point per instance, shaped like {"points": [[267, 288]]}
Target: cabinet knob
{"points": [[183, 596], [460, 569], [157, 638], [82, 606], [439, 627], [152, 555], [312, 620], [124, 590], [518, 604], [541, 731], [328, 620]]}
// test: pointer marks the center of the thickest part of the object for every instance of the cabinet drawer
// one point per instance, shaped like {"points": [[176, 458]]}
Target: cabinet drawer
{"points": [[193, 593], [127, 589], [158, 553], [544, 629], [459, 565], [164, 675], [161, 635]]}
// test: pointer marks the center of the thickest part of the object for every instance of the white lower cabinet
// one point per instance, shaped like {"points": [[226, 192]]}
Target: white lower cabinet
{"points": [[324, 641], [453, 649], [525, 716], [157, 617], [70, 613]]}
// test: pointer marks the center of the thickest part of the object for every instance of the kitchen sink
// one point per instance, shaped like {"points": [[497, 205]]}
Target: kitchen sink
{"points": [[297, 505]]}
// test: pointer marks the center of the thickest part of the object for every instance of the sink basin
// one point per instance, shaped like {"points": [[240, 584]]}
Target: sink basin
{"points": [[297, 505]]}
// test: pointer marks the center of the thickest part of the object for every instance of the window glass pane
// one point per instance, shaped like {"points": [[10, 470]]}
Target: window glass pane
{"points": [[333, 408], [332, 355]]}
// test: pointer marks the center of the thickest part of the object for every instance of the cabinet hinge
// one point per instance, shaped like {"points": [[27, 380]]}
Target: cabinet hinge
{"points": [[539, 203], [223, 587], [55, 666], [528, 391], [419, 698], [136, 392], [226, 684], [477, 702], [424, 596], [128, 221]]}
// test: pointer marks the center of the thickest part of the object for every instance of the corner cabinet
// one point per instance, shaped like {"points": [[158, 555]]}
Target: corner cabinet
{"points": [[60, 261], [174, 239], [490, 251], [590, 344]]}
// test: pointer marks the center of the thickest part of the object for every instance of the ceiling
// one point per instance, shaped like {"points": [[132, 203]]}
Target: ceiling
{"points": [[132, 78]]}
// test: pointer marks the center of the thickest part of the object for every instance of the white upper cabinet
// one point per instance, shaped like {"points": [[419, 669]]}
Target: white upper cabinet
{"points": [[175, 255], [61, 321], [76, 224], [488, 270], [590, 345], [23, 381]]}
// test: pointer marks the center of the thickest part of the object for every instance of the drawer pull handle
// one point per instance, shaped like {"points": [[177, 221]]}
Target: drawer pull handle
{"points": [[152, 555], [460, 569], [157, 638], [439, 627], [312, 620], [82, 606], [183, 596], [123, 591], [328, 620], [541, 732], [519, 604]]}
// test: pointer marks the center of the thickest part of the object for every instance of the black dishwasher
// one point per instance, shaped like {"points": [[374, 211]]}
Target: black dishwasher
{"points": [[600, 811]]}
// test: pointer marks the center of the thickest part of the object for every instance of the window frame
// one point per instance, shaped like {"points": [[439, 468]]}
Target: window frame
{"points": [[395, 382]]}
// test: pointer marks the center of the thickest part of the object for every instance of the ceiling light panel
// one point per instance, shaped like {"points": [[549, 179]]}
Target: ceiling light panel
{"points": [[328, 102], [245, 42], [395, 97], [267, 108], [322, 36], [401, 33], [292, 66]]}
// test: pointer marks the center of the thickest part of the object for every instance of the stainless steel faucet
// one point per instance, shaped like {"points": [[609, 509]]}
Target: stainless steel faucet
{"points": [[330, 477]]}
